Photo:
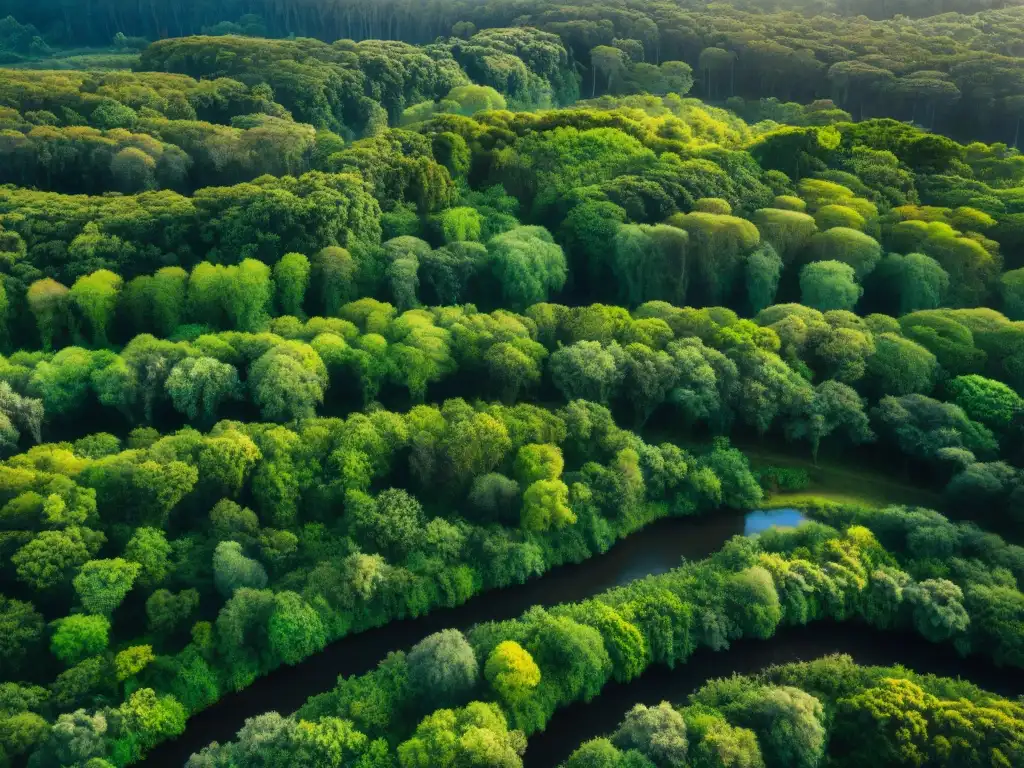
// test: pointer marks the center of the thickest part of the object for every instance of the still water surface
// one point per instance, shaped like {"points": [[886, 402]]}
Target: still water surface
{"points": [[762, 520]]}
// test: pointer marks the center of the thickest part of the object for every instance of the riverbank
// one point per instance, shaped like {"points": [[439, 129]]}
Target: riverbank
{"points": [[582, 721], [896, 655], [654, 550], [658, 623]]}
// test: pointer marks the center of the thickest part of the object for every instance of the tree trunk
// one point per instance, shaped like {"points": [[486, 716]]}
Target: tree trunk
{"points": [[1016, 133]]}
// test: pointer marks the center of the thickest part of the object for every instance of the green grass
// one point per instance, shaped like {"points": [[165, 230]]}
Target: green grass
{"points": [[809, 500], [839, 482], [89, 60], [832, 480]]}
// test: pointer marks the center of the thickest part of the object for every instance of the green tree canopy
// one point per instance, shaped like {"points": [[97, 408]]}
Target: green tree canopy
{"points": [[828, 285], [102, 584]]}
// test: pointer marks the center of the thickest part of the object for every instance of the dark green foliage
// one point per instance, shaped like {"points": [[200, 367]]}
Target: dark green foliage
{"points": [[923, 427], [22, 631], [888, 715], [442, 669]]}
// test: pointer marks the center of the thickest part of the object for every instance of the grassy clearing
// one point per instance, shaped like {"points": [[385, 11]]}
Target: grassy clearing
{"points": [[832, 480], [85, 59], [839, 482]]}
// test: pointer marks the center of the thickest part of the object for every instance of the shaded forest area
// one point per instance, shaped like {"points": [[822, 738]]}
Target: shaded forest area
{"points": [[952, 65]]}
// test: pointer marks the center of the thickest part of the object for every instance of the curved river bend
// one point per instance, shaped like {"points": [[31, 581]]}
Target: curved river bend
{"points": [[656, 549]]}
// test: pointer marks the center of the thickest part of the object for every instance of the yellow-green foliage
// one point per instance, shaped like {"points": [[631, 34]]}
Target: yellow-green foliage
{"points": [[789, 203], [834, 215], [787, 230]]}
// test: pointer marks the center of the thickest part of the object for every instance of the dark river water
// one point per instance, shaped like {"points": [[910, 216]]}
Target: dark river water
{"points": [[657, 549], [580, 722]]}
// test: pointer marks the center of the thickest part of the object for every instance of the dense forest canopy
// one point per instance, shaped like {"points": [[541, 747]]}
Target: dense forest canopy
{"points": [[960, 69], [316, 316], [795, 714]]}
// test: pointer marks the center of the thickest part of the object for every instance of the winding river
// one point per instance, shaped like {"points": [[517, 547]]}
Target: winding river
{"points": [[657, 549]]}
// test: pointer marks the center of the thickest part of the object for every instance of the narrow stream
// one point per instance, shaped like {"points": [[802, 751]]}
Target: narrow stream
{"points": [[656, 549], [580, 722]]}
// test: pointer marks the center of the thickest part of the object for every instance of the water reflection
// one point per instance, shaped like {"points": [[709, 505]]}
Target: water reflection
{"points": [[763, 519]]}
